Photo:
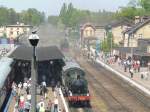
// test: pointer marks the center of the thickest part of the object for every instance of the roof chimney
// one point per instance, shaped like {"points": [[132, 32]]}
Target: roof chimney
{"points": [[137, 19], [144, 18]]}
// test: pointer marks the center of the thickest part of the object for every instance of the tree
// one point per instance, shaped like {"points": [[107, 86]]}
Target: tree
{"points": [[133, 3], [63, 14], [3, 16], [4, 35], [145, 4], [32, 16], [12, 16]]}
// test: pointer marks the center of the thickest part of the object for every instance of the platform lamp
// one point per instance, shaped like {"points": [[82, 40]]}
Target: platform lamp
{"points": [[33, 39]]}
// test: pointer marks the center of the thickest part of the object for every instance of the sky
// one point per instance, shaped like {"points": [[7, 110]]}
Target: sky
{"points": [[52, 7]]}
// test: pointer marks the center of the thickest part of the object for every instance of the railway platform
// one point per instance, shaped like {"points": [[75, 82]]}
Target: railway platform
{"points": [[49, 100], [136, 75]]}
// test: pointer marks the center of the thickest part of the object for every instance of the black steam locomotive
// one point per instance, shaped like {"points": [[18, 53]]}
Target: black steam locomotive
{"points": [[75, 84]]}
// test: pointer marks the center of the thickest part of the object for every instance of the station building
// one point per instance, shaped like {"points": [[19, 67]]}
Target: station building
{"points": [[13, 31]]}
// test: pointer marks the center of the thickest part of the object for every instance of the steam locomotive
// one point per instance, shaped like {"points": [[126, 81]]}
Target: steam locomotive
{"points": [[75, 84]]}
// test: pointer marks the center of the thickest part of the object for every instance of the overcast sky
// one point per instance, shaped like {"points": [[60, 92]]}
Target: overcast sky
{"points": [[52, 7]]}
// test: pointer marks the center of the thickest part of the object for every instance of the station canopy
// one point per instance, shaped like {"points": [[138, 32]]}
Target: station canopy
{"points": [[42, 53]]}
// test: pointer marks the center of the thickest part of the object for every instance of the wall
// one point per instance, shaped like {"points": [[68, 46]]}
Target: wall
{"points": [[142, 33], [100, 33], [13, 32], [88, 32], [117, 33]]}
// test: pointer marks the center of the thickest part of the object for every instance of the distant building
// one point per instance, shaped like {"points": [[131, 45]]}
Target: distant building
{"points": [[13, 31], [87, 31], [2, 31], [117, 29], [100, 32], [87, 34], [141, 30]]}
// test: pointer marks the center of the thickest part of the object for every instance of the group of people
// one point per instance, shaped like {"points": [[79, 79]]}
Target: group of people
{"points": [[22, 96], [129, 64], [133, 66], [3, 51]]}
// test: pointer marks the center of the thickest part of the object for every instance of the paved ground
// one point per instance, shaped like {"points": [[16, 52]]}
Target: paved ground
{"points": [[50, 96], [137, 76]]}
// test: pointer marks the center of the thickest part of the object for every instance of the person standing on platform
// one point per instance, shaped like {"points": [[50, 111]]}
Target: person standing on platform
{"points": [[55, 104], [27, 106], [21, 104], [138, 65], [131, 72], [148, 64], [19, 88]]}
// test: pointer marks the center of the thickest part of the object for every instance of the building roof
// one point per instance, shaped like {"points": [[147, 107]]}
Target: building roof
{"points": [[127, 49], [135, 50], [116, 23], [19, 25], [136, 27], [87, 25], [90, 38], [42, 53]]}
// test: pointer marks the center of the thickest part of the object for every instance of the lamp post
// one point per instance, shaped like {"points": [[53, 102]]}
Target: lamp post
{"points": [[33, 39]]}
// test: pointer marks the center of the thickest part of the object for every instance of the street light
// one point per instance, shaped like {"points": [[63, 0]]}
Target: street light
{"points": [[33, 39]]}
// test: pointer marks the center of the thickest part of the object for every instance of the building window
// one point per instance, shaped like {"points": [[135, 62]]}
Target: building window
{"points": [[86, 33], [140, 36], [11, 33], [90, 32], [132, 36]]}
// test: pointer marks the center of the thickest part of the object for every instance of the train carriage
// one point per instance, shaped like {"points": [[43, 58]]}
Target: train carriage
{"points": [[6, 78], [75, 84]]}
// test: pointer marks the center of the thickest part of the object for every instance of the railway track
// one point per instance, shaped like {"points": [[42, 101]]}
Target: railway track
{"points": [[110, 94], [114, 104]]}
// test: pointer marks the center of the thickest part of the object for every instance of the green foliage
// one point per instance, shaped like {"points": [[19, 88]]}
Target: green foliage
{"points": [[145, 5], [107, 43], [30, 16], [4, 35], [128, 12], [53, 20], [72, 17], [104, 46], [134, 8]]}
